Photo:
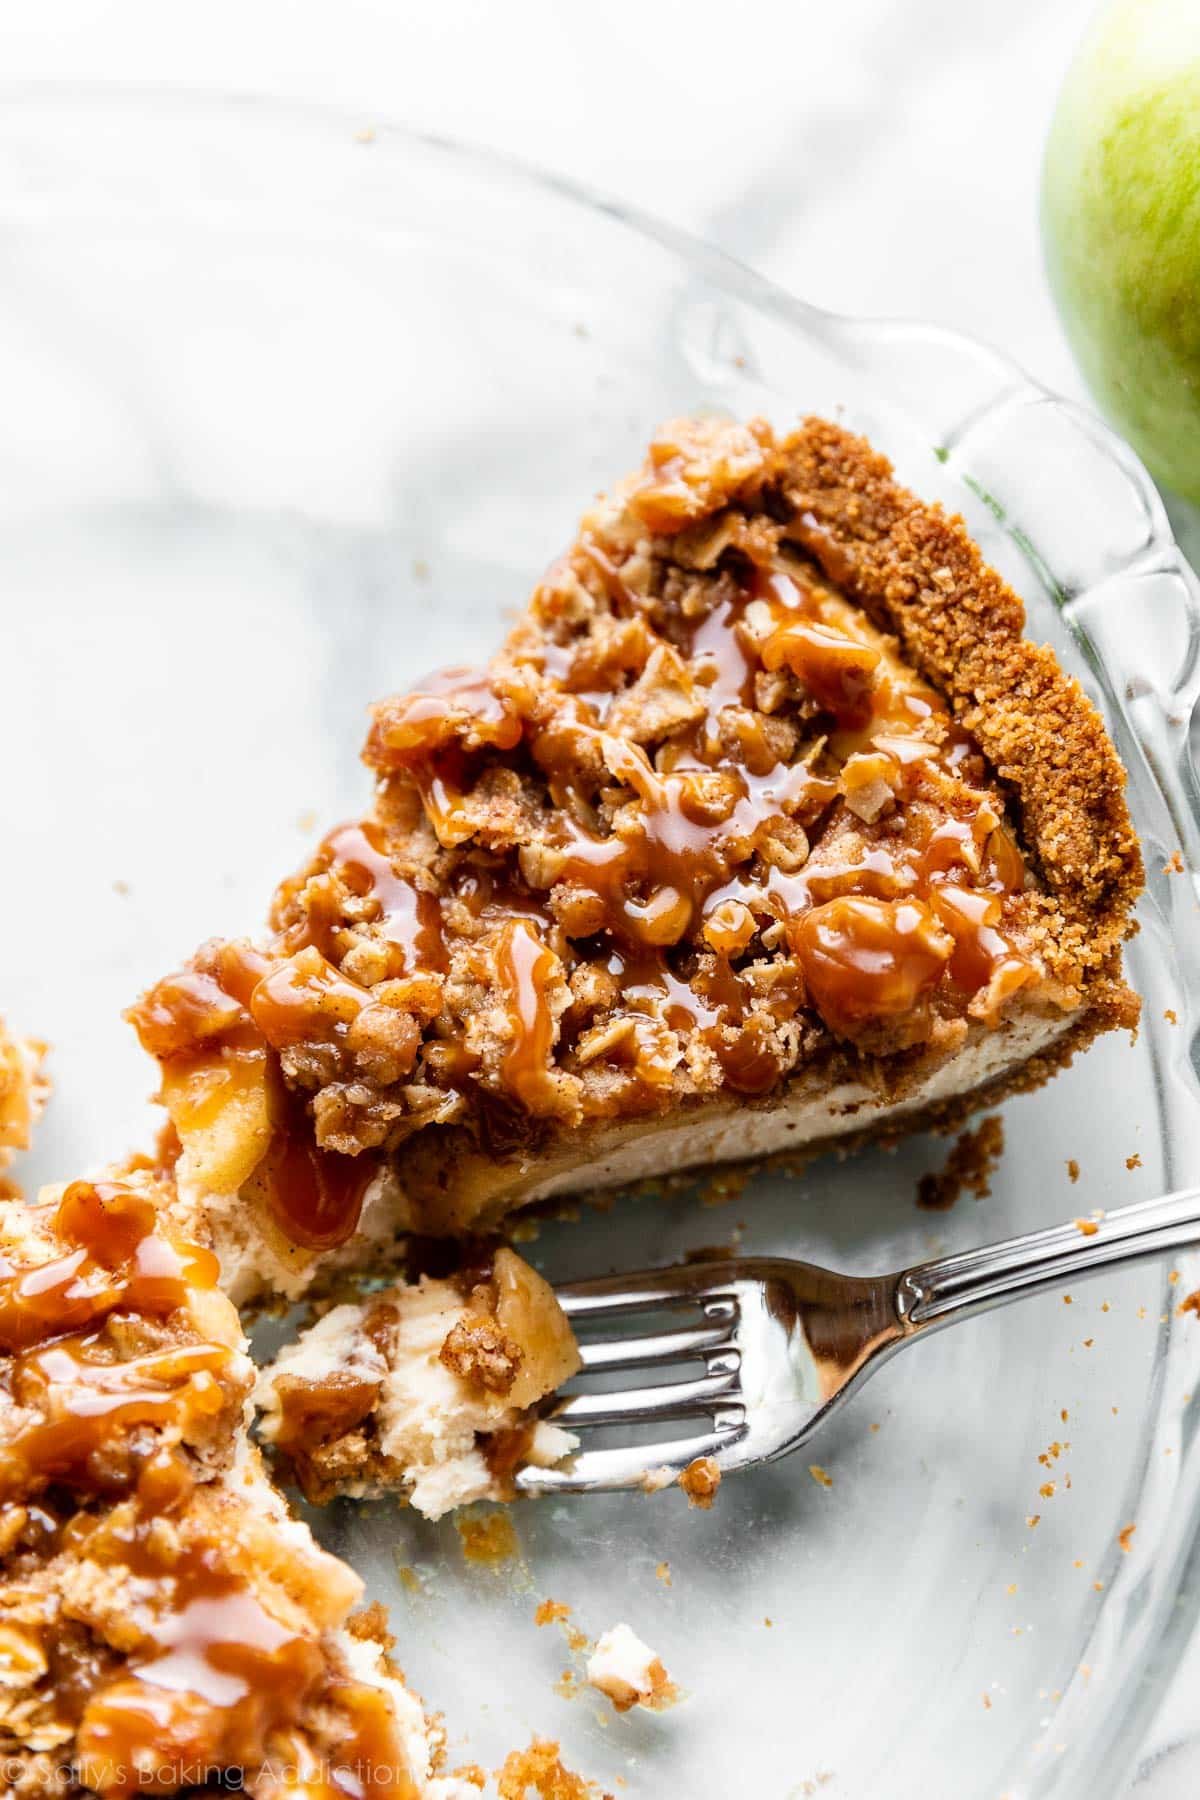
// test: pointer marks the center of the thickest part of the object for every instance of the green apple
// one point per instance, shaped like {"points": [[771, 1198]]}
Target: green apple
{"points": [[1121, 223]]}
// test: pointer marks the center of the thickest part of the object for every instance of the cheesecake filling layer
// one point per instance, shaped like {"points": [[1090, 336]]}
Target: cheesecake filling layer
{"points": [[425, 1389]]}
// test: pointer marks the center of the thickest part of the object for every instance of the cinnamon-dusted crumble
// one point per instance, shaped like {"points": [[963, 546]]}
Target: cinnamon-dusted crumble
{"points": [[766, 810], [425, 1389]]}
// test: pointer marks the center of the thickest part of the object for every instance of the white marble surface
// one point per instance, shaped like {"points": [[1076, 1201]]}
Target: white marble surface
{"points": [[878, 156]]}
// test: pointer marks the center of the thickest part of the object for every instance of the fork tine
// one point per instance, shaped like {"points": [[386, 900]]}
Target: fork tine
{"points": [[659, 1347], [629, 1466], [635, 1406], [644, 1289]]}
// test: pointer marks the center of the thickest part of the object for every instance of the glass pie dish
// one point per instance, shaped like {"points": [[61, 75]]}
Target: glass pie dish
{"points": [[296, 410]]}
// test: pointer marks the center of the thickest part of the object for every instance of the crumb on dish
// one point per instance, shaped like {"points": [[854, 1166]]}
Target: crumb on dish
{"points": [[700, 1481], [539, 1767], [629, 1672], [969, 1167], [491, 1541]]}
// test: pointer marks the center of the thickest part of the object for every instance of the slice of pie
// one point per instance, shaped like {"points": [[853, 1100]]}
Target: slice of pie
{"points": [[164, 1623], [766, 828]]}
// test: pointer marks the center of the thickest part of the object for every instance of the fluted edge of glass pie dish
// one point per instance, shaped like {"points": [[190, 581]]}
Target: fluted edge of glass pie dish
{"points": [[1056, 502]]}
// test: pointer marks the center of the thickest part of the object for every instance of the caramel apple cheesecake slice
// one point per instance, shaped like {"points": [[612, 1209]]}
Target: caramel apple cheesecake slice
{"points": [[766, 828], [425, 1389], [165, 1625]]}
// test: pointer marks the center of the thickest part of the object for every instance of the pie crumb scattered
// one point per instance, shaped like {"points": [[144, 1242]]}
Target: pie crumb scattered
{"points": [[540, 1767], [629, 1672], [24, 1091], [969, 1167], [491, 1540], [700, 1481], [726, 1185]]}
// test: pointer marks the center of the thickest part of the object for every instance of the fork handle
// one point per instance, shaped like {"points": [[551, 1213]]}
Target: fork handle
{"points": [[953, 1287]]}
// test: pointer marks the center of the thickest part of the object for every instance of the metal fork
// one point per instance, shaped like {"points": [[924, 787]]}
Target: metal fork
{"points": [[784, 1344]]}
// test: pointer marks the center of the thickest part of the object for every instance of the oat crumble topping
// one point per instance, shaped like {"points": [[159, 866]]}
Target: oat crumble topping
{"points": [[766, 777]]}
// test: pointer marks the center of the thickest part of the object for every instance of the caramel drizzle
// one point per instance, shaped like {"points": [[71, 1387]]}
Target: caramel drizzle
{"points": [[215, 1683], [874, 934], [118, 1259]]}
